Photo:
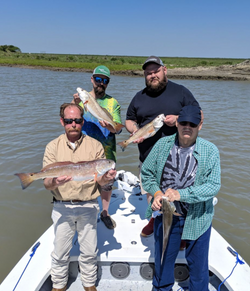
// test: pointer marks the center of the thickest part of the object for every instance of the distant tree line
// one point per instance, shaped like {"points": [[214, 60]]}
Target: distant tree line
{"points": [[10, 48]]}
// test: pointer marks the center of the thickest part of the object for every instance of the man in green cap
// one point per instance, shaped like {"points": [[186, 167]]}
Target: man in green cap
{"points": [[101, 130]]}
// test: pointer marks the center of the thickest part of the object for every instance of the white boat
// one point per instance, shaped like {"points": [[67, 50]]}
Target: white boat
{"points": [[125, 259]]}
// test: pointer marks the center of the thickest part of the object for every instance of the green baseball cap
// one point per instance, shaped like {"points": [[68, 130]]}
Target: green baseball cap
{"points": [[102, 70]]}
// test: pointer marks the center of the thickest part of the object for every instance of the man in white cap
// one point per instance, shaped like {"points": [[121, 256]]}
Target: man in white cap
{"points": [[101, 130]]}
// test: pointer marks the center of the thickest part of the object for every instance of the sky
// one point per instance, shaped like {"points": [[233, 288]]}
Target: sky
{"points": [[176, 28]]}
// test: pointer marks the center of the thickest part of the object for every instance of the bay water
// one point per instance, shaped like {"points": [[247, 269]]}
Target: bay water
{"points": [[29, 119]]}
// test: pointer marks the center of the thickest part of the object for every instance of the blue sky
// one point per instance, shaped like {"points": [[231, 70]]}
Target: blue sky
{"points": [[176, 28]]}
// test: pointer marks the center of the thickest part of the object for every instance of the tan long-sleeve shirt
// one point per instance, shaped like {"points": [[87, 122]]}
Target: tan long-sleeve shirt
{"points": [[86, 149]]}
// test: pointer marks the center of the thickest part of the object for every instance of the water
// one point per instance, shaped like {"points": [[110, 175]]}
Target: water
{"points": [[30, 101]]}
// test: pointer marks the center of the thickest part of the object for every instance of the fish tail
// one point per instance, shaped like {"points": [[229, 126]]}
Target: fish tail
{"points": [[25, 178], [123, 145], [118, 127]]}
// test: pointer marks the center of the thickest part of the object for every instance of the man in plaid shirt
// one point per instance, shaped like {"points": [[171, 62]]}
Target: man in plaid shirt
{"points": [[186, 169]]}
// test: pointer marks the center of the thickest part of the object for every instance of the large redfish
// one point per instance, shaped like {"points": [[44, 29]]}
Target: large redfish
{"points": [[91, 105], [146, 131], [80, 171]]}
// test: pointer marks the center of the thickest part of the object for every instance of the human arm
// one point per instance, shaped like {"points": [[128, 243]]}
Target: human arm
{"points": [[131, 126], [131, 123], [106, 178], [170, 120], [150, 171], [109, 127], [171, 194]]}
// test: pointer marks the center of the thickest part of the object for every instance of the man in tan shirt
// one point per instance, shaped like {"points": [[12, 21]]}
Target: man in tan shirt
{"points": [[75, 202]]}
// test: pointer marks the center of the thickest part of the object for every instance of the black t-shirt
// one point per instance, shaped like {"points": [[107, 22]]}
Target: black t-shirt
{"points": [[144, 108]]}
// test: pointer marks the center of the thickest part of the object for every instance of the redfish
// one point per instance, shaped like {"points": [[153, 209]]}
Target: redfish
{"points": [[146, 131], [167, 219], [80, 171], [91, 105]]}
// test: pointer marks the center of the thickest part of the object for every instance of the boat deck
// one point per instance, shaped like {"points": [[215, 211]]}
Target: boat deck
{"points": [[124, 245]]}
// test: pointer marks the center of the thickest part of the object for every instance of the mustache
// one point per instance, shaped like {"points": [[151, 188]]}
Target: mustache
{"points": [[187, 131], [154, 78], [74, 130], [100, 86]]}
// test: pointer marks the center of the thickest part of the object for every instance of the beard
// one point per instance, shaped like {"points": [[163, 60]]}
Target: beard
{"points": [[157, 87], [99, 90]]}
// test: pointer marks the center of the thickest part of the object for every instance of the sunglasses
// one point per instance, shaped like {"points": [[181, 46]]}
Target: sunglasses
{"points": [[70, 120], [100, 80], [191, 124]]}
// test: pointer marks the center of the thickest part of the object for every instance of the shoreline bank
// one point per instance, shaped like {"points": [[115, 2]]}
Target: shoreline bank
{"points": [[239, 72]]}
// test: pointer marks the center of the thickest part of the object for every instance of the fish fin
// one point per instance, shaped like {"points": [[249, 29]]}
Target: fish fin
{"points": [[82, 162], [118, 127], [25, 178], [95, 178], [56, 165], [151, 132], [123, 145]]}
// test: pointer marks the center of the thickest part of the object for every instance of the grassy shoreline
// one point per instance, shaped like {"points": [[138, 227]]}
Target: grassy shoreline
{"points": [[114, 63], [178, 68]]}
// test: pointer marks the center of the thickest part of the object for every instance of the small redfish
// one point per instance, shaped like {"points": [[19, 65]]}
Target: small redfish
{"points": [[146, 131], [91, 105]]}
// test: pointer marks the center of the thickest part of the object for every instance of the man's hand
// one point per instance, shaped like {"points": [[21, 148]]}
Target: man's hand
{"points": [[139, 140], [107, 177], [107, 125], [156, 205], [76, 99], [172, 195], [170, 120], [53, 183]]}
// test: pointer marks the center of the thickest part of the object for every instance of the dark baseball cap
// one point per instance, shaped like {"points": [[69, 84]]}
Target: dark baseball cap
{"points": [[190, 113], [152, 59]]}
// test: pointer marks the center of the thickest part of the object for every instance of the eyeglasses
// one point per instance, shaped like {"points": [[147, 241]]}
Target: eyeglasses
{"points": [[70, 120], [191, 124], [100, 80]]}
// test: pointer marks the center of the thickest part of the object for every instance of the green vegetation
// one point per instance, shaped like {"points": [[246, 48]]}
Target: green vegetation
{"points": [[114, 63]]}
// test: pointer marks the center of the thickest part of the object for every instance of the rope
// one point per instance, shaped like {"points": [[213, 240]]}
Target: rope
{"points": [[31, 255], [238, 260], [234, 253]]}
